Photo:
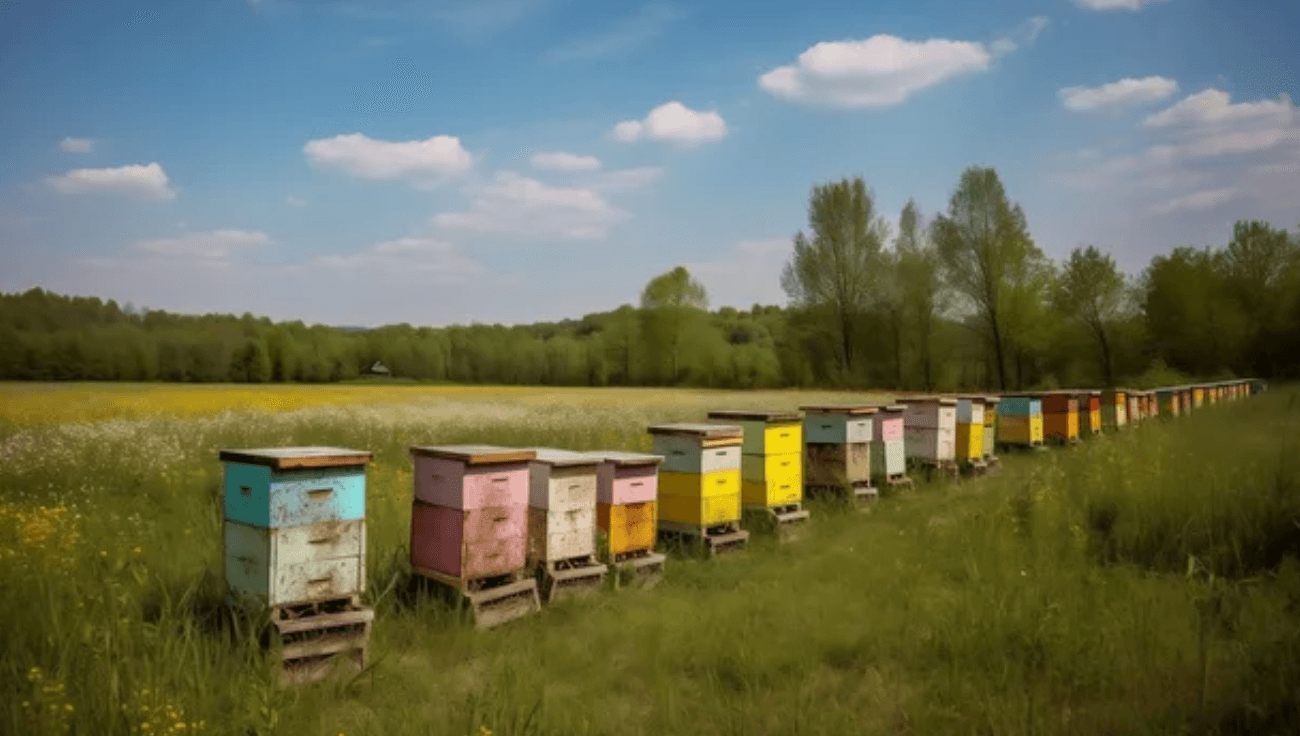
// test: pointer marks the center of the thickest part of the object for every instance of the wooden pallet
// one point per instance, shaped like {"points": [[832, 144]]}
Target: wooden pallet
{"points": [[861, 492], [788, 522], [712, 540], [319, 639], [899, 481], [975, 467], [947, 467], [492, 601], [571, 578], [993, 464], [644, 568]]}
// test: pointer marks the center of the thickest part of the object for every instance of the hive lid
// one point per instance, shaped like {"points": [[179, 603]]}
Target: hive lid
{"points": [[854, 409], [893, 408], [294, 458], [992, 398], [476, 454], [562, 458], [696, 429], [755, 415], [626, 458], [944, 400]]}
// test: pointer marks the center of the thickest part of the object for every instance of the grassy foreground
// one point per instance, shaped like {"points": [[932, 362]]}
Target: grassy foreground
{"points": [[1142, 583]]}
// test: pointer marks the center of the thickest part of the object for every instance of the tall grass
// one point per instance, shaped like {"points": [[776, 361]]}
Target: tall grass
{"points": [[1142, 583]]}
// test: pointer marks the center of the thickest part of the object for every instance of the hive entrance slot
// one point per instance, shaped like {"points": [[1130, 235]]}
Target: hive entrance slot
{"points": [[320, 493]]}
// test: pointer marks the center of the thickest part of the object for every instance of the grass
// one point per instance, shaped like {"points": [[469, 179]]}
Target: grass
{"points": [[1142, 583]]}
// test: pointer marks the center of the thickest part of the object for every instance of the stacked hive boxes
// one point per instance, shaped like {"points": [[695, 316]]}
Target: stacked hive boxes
{"points": [[627, 489], [1089, 403], [991, 429], [562, 522], [771, 465], [1020, 421], [699, 486], [1114, 409], [970, 432], [837, 442], [295, 542], [469, 527], [1198, 397], [1134, 406], [888, 455], [930, 431]]}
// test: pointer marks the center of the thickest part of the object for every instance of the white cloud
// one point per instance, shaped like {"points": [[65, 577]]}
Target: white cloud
{"points": [[425, 258], [1103, 5], [674, 122], [879, 72], [440, 157], [210, 248], [641, 28], [1213, 107], [76, 145], [514, 204], [1202, 200], [293, 201], [1121, 93], [626, 178], [148, 181], [750, 273], [561, 161]]}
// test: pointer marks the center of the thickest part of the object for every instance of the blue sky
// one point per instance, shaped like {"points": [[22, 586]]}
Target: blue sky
{"points": [[452, 161]]}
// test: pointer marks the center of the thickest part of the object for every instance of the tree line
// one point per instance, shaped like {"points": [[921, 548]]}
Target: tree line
{"points": [[962, 300]]}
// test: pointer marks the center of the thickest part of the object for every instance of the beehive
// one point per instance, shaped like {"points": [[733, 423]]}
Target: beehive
{"points": [[837, 442], [1184, 400], [1020, 421], [991, 428], [771, 457], [699, 482], [1198, 396], [930, 429], [469, 519], [1089, 403], [627, 490], [1114, 408], [888, 454], [1167, 401], [969, 447], [295, 528]]}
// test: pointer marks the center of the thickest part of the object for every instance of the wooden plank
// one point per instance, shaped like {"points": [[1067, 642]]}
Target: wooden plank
{"points": [[326, 644], [696, 429], [324, 620], [852, 409], [475, 454], [294, 458], [626, 459], [756, 415], [563, 458]]}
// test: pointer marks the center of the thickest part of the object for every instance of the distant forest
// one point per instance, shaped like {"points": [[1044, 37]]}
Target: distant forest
{"points": [[965, 301]]}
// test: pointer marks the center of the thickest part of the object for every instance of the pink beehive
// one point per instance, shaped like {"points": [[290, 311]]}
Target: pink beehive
{"points": [[469, 519]]}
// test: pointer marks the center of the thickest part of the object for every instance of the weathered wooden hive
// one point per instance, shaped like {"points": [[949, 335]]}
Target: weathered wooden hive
{"points": [[699, 484], [295, 544], [1020, 421], [627, 495], [888, 452], [469, 527], [930, 431], [771, 467], [1114, 408], [562, 522], [837, 449]]}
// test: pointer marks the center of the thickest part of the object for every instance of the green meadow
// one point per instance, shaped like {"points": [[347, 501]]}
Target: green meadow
{"points": [[1144, 582]]}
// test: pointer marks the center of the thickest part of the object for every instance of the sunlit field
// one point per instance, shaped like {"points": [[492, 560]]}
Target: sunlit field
{"points": [[1144, 582]]}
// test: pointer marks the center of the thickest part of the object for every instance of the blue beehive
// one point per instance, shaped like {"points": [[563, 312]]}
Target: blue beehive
{"points": [[295, 524]]}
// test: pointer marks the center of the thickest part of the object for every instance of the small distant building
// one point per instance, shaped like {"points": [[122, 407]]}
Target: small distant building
{"points": [[379, 369]]}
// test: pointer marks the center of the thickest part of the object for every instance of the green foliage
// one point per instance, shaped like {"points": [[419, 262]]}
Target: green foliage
{"points": [[1091, 290]]}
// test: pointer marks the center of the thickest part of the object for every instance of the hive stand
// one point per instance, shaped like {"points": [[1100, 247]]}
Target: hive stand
{"points": [[295, 553], [469, 528], [627, 489], [837, 452], [562, 523], [699, 486], [772, 470]]}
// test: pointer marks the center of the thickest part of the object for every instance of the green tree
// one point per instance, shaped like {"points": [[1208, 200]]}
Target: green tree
{"points": [[1091, 290], [983, 242], [921, 292], [670, 302], [834, 271]]}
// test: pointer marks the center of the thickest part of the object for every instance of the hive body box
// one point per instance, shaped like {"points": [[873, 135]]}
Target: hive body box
{"points": [[930, 429], [1167, 401], [837, 448], [888, 454], [1060, 416], [991, 429], [469, 527], [294, 524], [970, 431], [1020, 421], [1134, 408], [1089, 403], [1114, 408], [699, 483], [295, 542], [627, 489], [1198, 397], [771, 456], [562, 521]]}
